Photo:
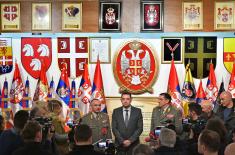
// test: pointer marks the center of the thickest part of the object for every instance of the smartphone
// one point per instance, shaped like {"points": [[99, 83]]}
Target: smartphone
{"points": [[102, 144], [157, 131], [185, 121]]}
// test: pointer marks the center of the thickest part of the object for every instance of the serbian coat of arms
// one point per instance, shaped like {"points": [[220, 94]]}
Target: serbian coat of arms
{"points": [[5, 55], [136, 67], [34, 53], [75, 59]]}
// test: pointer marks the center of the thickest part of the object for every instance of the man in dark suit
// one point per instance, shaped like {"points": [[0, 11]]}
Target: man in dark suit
{"points": [[165, 114], [127, 125]]}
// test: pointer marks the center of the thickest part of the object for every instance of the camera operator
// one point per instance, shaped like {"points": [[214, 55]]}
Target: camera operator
{"points": [[40, 114], [83, 141], [32, 136], [98, 122], [10, 139]]}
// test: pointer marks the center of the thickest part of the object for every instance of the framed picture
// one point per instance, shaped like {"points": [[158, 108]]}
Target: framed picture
{"points": [[110, 16], [41, 16], [151, 16], [192, 15], [172, 47], [10, 17], [224, 15], [100, 46], [72, 16]]}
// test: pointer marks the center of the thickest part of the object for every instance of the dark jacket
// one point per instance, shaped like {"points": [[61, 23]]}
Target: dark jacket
{"points": [[10, 140], [84, 150], [32, 148], [163, 150]]}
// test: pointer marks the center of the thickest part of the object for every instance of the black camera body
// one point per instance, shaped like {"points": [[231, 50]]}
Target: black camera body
{"points": [[197, 126], [106, 146]]}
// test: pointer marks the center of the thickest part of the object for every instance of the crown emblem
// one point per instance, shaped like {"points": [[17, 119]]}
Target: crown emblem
{"points": [[135, 45], [110, 10]]}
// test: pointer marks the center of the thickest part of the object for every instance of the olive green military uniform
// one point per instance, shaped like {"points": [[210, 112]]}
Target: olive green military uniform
{"points": [[97, 121]]}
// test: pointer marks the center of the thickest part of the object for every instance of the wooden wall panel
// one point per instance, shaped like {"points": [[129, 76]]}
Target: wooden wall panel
{"points": [[130, 15]]}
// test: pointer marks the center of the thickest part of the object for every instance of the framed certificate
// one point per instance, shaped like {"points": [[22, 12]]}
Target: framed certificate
{"points": [[110, 16], [224, 15], [10, 17], [41, 16], [72, 16], [151, 15], [100, 46], [192, 15], [172, 47]]}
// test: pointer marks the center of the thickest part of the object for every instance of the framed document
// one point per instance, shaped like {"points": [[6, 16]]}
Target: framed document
{"points": [[172, 47], [151, 16], [41, 16], [110, 16], [10, 17], [100, 47], [192, 15], [224, 15], [72, 16]]}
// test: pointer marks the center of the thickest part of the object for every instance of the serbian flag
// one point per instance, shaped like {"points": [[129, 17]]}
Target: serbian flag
{"points": [[51, 89], [173, 86], [84, 91], [72, 103], [4, 96], [211, 86], [41, 91], [231, 86], [63, 89], [25, 102], [17, 87], [97, 88], [200, 94]]}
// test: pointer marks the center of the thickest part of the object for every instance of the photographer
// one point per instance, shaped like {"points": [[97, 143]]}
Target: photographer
{"points": [[83, 141], [32, 136]]}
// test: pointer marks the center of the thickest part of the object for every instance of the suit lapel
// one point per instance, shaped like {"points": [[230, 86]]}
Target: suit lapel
{"points": [[120, 113]]}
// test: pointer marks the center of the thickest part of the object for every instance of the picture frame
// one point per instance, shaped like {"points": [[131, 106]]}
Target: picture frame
{"points": [[169, 45], [41, 16], [224, 15], [110, 16], [99, 47], [151, 15], [72, 16], [10, 16], [192, 13]]}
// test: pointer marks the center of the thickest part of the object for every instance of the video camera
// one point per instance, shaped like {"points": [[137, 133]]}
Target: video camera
{"points": [[105, 146], [197, 126], [45, 122]]}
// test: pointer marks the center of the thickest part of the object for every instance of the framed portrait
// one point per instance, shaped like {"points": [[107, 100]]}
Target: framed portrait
{"points": [[151, 16], [41, 16], [10, 17], [72, 16], [110, 16], [100, 46], [224, 15], [192, 13], [172, 47]]}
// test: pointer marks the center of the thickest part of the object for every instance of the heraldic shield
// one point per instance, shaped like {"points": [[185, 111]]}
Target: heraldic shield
{"points": [[229, 53], [5, 56], [135, 67], [200, 51], [34, 52]]}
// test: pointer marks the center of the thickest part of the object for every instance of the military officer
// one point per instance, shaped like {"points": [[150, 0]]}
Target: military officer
{"points": [[98, 122], [165, 114]]}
